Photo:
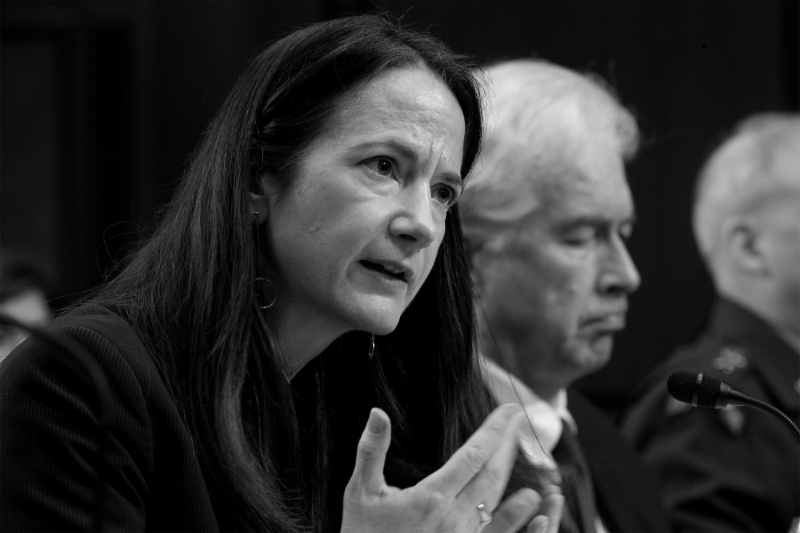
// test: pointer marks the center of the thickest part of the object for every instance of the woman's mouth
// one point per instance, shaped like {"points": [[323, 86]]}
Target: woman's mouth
{"points": [[386, 270]]}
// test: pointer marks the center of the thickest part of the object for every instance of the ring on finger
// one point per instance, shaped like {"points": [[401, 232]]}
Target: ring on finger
{"points": [[485, 515]]}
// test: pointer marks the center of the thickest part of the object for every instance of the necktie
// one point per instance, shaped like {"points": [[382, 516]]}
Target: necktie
{"points": [[576, 480]]}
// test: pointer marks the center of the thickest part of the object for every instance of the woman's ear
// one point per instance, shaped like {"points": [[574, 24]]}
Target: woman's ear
{"points": [[742, 241], [259, 201]]}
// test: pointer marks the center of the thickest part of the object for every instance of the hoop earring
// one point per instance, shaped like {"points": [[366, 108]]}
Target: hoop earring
{"points": [[371, 347], [259, 281]]}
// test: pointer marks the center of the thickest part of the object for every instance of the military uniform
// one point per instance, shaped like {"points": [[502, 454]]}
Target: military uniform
{"points": [[732, 469]]}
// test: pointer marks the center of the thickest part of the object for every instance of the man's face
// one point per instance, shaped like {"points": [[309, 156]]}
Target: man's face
{"points": [[780, 243], [558, 286]]}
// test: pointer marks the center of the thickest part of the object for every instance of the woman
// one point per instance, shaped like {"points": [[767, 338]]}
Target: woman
{"points": [[306, 271]]}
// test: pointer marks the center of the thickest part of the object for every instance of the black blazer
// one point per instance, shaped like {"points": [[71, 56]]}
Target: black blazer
{"points": [[626, 492], [49, 438]]}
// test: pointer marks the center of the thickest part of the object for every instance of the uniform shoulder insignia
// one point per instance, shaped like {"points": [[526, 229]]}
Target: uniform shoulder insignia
{"points": [[729, 360], [733, 418]]}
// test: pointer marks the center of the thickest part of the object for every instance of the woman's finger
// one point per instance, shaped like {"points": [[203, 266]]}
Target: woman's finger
{"points": [[540, 524], [514, 512], [367, 478], [488, 485], [552, 507], [549, 516], [473, 455]]}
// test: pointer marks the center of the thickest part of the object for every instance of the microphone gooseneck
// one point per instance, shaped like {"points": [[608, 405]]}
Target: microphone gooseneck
{"points": [[701, 390]]}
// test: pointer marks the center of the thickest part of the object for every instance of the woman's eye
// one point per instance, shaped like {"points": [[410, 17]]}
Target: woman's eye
{"points": [[445, 195], [382, 165]]}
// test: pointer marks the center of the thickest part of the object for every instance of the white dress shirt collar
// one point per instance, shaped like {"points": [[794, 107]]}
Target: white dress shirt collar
{"points": [[539, 439]]}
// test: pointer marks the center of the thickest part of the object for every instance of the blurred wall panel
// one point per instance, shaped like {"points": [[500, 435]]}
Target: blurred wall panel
{"points": [[30, 151], [50, 140], [102, 104], [196, 51]]}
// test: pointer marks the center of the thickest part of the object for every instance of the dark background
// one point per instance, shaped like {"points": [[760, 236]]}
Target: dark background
{"points": [[102, 103]]}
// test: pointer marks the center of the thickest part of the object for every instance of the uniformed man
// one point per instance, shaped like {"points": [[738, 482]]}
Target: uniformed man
{"points": [[736, 469]]}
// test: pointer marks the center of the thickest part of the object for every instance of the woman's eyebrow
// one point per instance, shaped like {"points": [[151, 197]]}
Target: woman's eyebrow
{"points": [[407, 152], [398, 147], [453, 179]]}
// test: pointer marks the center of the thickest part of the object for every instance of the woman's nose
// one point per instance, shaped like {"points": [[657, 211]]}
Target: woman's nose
{"points": [[415, 221]]}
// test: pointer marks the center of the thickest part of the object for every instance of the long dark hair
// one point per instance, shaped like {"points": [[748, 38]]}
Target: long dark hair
{"points": [[276, 456]]}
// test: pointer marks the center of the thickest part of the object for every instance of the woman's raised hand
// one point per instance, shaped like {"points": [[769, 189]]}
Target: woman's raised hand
{"points": [[448, 500]]}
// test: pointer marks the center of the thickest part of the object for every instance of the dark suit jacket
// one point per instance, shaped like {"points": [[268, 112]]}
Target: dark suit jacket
{"points": [[626, 492], [49, 438]]}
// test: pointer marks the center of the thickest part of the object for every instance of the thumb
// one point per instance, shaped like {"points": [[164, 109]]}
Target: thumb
{"points": [[371, 454]]}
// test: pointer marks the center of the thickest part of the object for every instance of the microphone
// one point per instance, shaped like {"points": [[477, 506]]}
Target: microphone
{"points": [[701, 390]]}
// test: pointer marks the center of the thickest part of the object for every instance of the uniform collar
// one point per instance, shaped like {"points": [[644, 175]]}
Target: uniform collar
{"points": [[768, 354]]}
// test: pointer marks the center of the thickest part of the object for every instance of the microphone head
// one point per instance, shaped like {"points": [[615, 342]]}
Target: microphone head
{"points": [[682, 385]]}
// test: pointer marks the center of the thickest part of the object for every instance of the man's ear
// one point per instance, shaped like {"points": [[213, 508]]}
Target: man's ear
{"points": [[259, 201], [477, 262], [741, 236]]}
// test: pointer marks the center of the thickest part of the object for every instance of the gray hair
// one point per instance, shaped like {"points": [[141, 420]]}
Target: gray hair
{"points": [[539, 116], [759, 161]]}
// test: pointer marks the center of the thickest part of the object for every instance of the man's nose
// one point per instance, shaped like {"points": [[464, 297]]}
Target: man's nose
{"points": [[619, 275]]}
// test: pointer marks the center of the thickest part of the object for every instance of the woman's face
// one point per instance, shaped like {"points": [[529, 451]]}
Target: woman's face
{"points": [[357, 233]]}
